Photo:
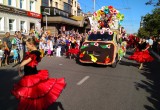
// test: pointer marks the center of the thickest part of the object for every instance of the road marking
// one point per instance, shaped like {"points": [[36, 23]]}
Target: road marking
{"points": [[60, 64], [83, 80]]}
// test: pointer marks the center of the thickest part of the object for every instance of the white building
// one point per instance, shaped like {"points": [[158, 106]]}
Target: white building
{"points": [[19, 15]]}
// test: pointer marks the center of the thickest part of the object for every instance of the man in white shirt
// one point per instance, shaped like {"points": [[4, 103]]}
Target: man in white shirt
{"points": [[150, 41]]}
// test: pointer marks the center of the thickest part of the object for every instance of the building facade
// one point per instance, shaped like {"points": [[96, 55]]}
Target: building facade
{"points": [[19, 15], [62, 15], [68, 5]]}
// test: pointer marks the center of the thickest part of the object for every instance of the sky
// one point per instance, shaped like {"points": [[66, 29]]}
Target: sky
{"points": [[133, 10]]}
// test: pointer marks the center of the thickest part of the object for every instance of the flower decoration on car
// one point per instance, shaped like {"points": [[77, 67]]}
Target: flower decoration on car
{"points": [[96, 44], [84, 45], [107, 60], [82, 54], [106, 46], [106, 17], [93, 58]]}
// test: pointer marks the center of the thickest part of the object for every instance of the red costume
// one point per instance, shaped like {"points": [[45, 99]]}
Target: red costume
{"points": [[74, 48], [36, 91], [141, 55]]}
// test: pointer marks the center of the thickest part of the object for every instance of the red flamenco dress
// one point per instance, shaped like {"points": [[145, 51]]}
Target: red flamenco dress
{"points": [[141, 56], [74, 49], [36, 91]]}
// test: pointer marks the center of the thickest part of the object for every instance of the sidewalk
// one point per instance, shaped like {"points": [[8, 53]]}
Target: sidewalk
{"points": [[156, 55]]}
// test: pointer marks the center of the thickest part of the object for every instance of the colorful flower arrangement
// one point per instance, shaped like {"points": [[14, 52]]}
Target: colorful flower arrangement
{"points": [[106, 17]]}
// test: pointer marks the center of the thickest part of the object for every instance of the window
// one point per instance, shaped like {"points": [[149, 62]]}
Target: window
{"points": [[23, 4], [9, 2], [67, 8], [101, 37], [75, 4], [69, 1], [1, 1], [75, 13], [12, 24], [56, 4], [1, 23], [32, 5], [51, 3], [12, 3], [23, 26]]}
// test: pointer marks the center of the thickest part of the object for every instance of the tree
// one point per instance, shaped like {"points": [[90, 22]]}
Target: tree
{"points": [[151, 2], [151, 24], [142, 33]]}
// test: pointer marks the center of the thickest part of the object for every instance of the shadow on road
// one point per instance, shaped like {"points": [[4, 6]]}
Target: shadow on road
{"points": [[56, 106], [7, 78], [126, 63], [152, 85]]}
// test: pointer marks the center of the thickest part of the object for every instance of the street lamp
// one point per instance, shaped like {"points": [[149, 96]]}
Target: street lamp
{"points": [[46, 13]]}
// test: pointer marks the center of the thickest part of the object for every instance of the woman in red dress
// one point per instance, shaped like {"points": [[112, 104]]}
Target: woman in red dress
{"points": [[35, 90], [73, 50], [141, 54]]}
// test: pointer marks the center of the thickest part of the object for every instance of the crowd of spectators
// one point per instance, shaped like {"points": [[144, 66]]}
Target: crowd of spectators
{"points": [[14, 49]]}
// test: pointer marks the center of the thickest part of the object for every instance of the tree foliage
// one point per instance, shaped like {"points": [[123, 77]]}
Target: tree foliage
{"points": [[152, 2], [151, 24]]}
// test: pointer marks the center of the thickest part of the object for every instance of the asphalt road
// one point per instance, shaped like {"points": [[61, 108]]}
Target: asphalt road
{"points": [[94, 87]]}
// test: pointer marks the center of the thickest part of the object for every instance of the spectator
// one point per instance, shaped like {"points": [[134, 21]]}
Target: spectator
{"points": [[158, 47], [14, 38], [49, 46], [19, 46], [15, 54], [7, 47], [1, 55], [150, 41]]}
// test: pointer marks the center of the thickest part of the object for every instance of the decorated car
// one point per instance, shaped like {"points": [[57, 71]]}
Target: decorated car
{"points": [[101, 46]]}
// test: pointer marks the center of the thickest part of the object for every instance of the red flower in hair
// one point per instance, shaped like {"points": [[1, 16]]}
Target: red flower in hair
{"points": [[110, 7]]}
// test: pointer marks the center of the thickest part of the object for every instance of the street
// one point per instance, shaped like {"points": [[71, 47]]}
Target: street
{"points": [[94, 87]]}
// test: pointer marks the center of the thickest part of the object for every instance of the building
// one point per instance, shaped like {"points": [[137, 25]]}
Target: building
{"points": [[62, 15], [19, 15]]}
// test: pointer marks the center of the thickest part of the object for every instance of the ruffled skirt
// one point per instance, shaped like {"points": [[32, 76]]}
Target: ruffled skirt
{"points": [[38, 91], [73, 51], [141, 56]]}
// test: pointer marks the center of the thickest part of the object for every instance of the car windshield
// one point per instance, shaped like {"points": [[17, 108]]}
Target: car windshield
{"points": [[100, 37]]}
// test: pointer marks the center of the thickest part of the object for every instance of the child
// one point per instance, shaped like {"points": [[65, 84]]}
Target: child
{"points": [[42, 47], [49, 46], [1, 55], [35, 90], [74, 48], [58, 51], [15, 54]]}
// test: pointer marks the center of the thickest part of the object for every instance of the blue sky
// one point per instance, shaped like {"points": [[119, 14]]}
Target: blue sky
{"points": [[136, 9]]}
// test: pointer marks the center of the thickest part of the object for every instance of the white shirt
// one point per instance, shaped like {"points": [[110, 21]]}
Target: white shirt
{"points": [[1, 53], [150, 41]]}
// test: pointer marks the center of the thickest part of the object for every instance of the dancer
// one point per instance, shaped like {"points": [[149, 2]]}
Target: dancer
{"points": [[35, 90], [73, 48], [141, 54]]}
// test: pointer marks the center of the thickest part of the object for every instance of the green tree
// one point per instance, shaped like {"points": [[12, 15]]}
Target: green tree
{"points": [[152, 2], [151, 24], [142, 32]]}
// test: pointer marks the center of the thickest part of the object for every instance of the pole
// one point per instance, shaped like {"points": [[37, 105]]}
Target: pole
{"points": [[94, 5], [46, 21]]}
